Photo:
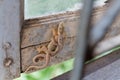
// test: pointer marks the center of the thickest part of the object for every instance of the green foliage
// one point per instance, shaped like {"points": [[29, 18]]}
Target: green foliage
{"points": [[50, 72]]}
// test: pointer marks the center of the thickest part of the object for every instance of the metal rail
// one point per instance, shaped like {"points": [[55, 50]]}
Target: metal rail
{"points": [[82, 37], [100, 29], [96, 34]]}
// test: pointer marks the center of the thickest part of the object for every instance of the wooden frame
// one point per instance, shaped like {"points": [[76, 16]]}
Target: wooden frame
{"points": [[11, 19]]}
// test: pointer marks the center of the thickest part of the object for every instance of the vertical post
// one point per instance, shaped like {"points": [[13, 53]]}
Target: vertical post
{"points": [[82, 40], [11, 19]]}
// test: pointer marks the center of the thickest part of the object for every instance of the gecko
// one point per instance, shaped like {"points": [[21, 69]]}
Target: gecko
{"points": [[51, 49]]}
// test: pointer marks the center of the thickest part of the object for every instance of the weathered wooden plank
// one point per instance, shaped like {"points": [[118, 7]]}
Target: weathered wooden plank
{"points": [[34, 26], [104, 68], [38, 32], [31, 51], [11, 18]]}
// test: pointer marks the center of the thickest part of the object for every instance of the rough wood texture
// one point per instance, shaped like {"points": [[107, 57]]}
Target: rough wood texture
{"points": [[11, 18], [41, 35], [37, 32]]}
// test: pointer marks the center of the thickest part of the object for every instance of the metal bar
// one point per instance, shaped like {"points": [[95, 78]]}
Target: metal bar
{"points": [[81, 40], [100, 29]]}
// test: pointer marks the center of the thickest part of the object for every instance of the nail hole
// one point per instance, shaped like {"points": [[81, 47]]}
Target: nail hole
{"points": [[6, 45], [8, 62]]}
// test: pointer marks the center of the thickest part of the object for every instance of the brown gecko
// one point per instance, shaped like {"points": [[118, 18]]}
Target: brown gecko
{"points": [[47, 58], [51, 49]]}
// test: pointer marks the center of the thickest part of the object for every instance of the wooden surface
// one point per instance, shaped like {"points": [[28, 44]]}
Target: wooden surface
{"points": [[38, 32], [11, 18], [39, 35]]}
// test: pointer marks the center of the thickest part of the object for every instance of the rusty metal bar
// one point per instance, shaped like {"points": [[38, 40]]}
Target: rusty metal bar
{"points": [[81, 41]]}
